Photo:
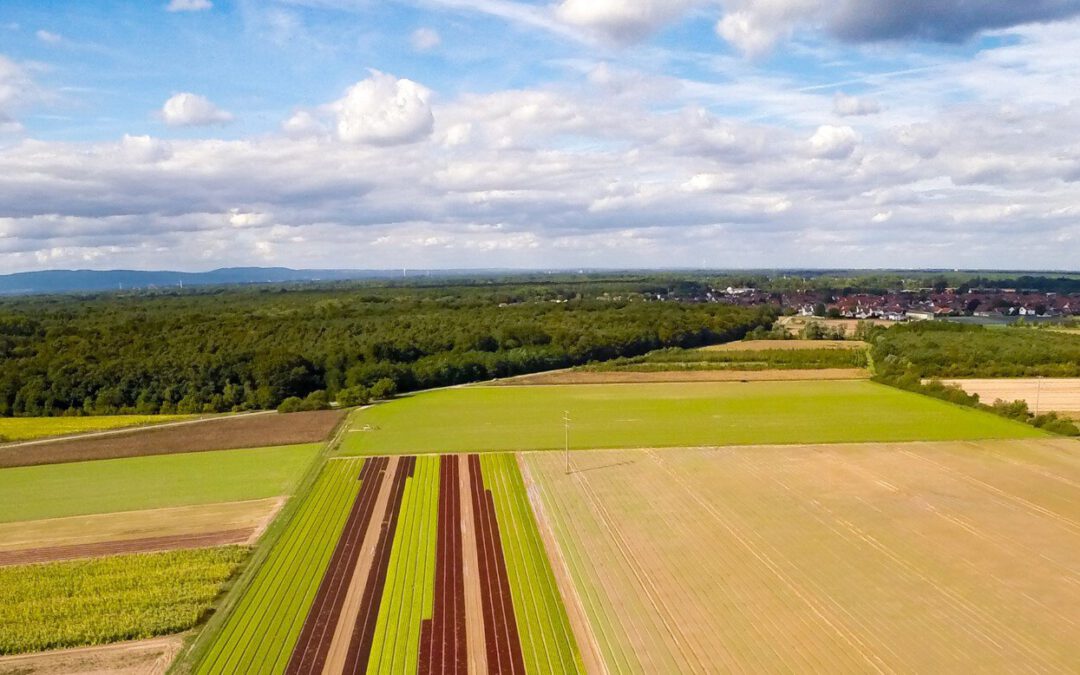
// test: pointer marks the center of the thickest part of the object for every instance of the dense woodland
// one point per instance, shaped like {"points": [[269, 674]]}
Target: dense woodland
{"points": [[252, 348], [947, 350]]}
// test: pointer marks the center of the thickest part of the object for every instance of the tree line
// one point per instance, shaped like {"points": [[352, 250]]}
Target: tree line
{"points": [[255, 348]]}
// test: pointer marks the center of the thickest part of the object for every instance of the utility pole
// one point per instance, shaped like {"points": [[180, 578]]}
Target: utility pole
{"points": [[566, 428]]}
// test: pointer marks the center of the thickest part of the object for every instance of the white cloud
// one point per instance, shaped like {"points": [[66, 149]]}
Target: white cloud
{"points": [[622, 21], [188, 5], [831, 142], [49, 37], [383, 110], [16, 91], [191, 110], [851, 106], [425, 39], [303, 123]]}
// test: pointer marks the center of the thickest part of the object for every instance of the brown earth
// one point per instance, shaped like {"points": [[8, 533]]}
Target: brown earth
{"points": [[251, 516], [221, 433], [887, 557], [627, 377], [475, 637], [106, 548], [1058, 394], [784, 345], [794, 324], [142, 657]]}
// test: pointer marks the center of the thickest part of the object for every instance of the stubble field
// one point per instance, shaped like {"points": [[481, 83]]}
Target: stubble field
{"points": [[1057, 394], [922, 557]]}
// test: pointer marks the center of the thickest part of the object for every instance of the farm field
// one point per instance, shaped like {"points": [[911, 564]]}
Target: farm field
{"points": [[795, 345], [218, 433], [138, 483], [664, 415], [673, 376], [29, 428], [136, 531], [88, 602], [138, 657], [1057, 394], [916, 557], [424, 564]]}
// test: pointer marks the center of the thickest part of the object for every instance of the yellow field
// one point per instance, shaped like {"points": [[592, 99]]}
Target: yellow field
{"points": [[762, 345], [794, 324], [919, 557], [1058, 394], [29, 428]]}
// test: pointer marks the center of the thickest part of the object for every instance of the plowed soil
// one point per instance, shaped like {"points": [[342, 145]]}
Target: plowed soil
{"points": [[104, 548], [784, 345], [223, 433]]}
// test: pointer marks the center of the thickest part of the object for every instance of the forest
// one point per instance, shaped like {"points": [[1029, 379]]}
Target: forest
{"points": [[233, 349]]}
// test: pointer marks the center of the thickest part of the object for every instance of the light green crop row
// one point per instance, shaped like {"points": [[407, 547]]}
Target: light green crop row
{"points": [[410, 581], [260, 633], [547, 642], [102, 600]]}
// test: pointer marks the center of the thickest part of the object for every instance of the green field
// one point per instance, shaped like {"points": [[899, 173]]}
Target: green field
{"points": [[472, 419], [29, 428], [547, 642], [258, 636], [110, 485], [89, 602]]}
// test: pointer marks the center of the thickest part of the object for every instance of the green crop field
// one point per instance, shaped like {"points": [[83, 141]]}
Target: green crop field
{"points": [[472, 419], [547, 641], [29, 428], [110, 485], [89, 602], [410, 581], [259, 634]]}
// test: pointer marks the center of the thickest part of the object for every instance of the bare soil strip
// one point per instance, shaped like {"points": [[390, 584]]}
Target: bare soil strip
{"points": [[311, 650], [475, 636], [502, 630], [105, 548], [888, 557], [444, 640], [627, 377], [221, 433], [1058, 394], [785, 345], [141, 657], [363, 632]]}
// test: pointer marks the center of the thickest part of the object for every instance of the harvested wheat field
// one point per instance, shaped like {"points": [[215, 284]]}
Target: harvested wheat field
{"points": [[786, 345], [917, 557], [1061, 395], [136, 531], [219, 433]]}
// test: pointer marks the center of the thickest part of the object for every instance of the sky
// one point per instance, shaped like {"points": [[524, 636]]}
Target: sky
{"points": [[381, 134]]}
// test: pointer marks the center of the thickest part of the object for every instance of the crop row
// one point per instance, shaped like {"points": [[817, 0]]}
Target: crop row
{"points": [[260, 633], [101, 600]]}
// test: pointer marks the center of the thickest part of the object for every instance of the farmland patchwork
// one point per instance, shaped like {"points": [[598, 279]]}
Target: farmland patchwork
{"points": [[402, 565]]}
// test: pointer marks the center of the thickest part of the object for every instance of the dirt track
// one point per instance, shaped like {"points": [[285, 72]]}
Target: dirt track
{"points": [[784, 345], [625, 377], [105, 548], [224, 433], [142, 657]]}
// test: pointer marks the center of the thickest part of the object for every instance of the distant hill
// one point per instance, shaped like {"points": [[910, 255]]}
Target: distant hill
{"points": [[69, 281]]}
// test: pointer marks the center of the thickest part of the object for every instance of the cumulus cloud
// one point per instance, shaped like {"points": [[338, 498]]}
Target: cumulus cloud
{"points": [[384, 110], [852, 106], [191, 110], [188, 5], [754, 26], [425, 39], [622, 21], [831, 142]]}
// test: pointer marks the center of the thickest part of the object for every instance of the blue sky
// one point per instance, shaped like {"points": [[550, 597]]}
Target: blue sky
{"points": [[479, 133]]}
